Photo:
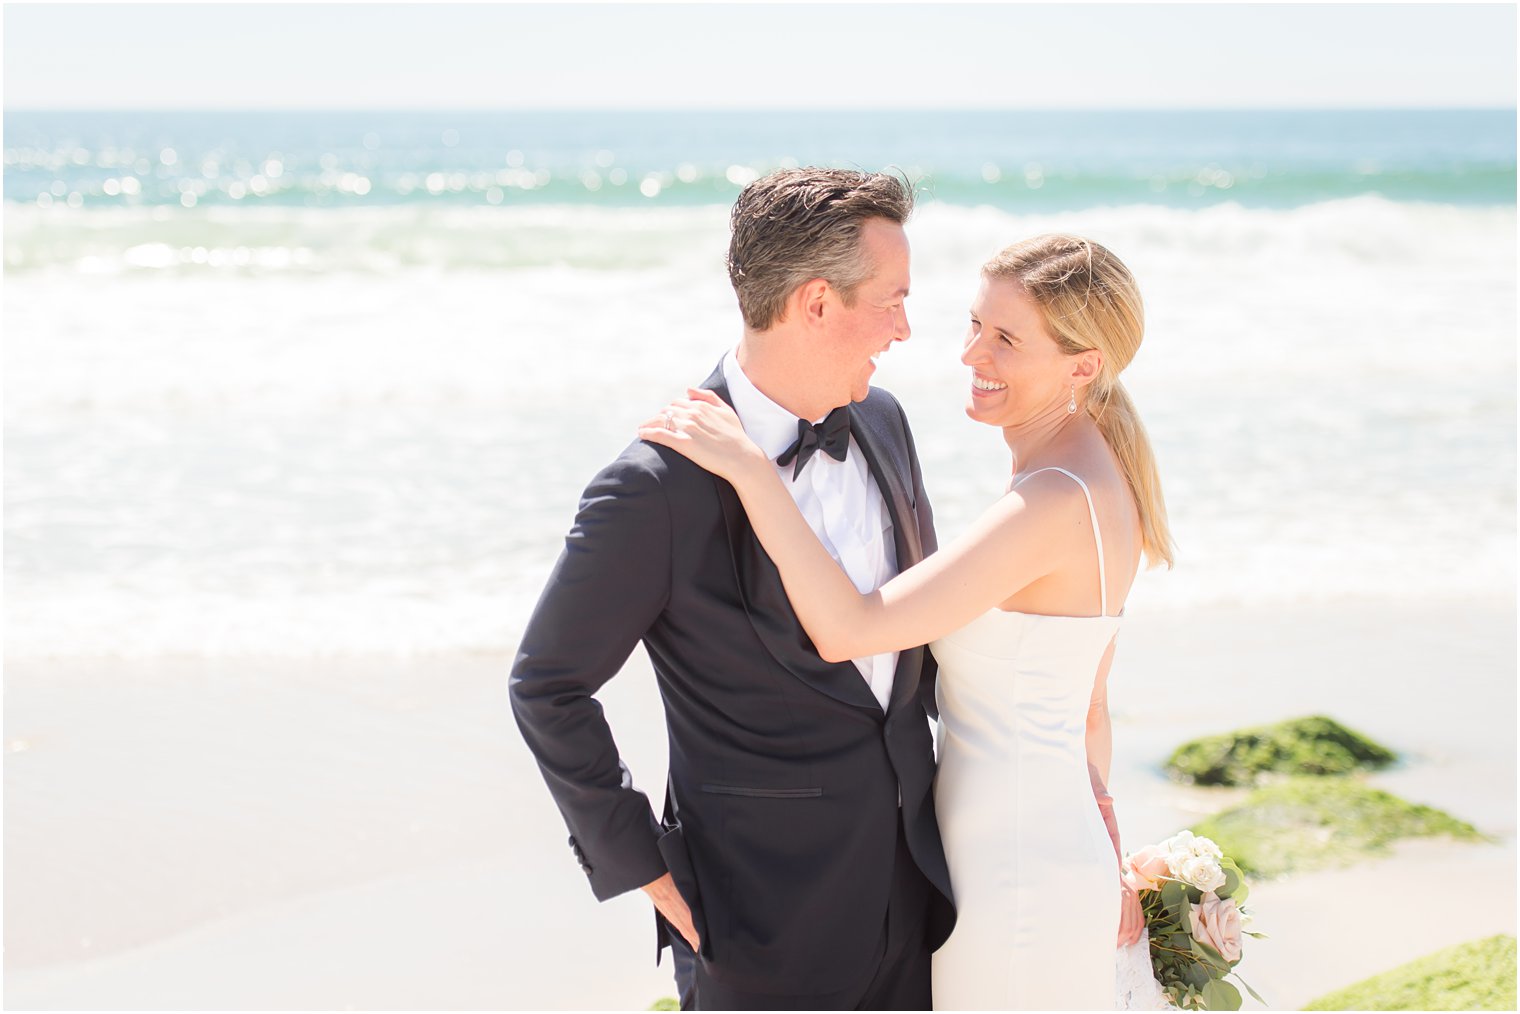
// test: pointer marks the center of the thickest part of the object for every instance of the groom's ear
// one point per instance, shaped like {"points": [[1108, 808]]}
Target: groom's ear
{"points": [[810, 299]]}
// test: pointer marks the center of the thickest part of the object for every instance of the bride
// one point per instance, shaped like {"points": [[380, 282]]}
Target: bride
{"points": [[1021, 613]]}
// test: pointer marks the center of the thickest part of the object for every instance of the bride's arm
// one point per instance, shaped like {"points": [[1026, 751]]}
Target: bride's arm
{"points": [[1100, 755], [1100, 747], [1100, 730], [1009, 546]]}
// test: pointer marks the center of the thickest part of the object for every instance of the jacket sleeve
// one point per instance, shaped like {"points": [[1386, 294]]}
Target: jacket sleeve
{"points": [[609, 586], [930, 672]]}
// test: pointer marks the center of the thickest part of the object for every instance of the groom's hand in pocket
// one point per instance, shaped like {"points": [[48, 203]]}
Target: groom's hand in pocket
{"points": [[674, 908]]}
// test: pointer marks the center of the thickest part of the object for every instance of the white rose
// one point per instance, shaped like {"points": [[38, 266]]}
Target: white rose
{"points": [[1185, 850], [1177, 853], [1187, 842], [1206, 847], [1182, 841], [1203, 872]]}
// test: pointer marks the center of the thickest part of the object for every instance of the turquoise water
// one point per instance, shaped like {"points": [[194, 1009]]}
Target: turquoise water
{"points": [[1044, 161]]}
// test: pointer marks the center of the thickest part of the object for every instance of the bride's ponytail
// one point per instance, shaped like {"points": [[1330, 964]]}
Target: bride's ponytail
{"points": [[1121, 426], [1090, 301]]}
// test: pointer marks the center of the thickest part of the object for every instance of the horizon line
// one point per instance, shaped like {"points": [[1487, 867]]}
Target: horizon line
{"points": [[769, 109]]}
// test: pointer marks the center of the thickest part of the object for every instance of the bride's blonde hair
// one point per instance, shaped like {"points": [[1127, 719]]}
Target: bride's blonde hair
{"points": [[1089, 300]]}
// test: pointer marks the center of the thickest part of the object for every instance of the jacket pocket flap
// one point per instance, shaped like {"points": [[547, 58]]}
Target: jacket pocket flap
{"points": [[743, 790]]}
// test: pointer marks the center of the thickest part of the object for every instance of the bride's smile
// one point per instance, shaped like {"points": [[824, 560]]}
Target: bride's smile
{"points": [[1021, 378]]}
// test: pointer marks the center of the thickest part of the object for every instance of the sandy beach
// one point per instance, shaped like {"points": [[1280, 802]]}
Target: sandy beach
{"points": [[371, 832]]}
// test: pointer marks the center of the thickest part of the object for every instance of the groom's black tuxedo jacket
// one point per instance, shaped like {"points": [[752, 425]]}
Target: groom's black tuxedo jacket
{"points": [[782, 805]]}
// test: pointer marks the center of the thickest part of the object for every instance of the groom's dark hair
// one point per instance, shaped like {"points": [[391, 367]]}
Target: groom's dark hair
{"points": [[796, 225]]}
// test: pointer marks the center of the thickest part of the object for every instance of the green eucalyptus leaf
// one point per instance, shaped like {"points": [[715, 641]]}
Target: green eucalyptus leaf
{"points": [[1220, 995], [1254, 995], [1212, 956]]}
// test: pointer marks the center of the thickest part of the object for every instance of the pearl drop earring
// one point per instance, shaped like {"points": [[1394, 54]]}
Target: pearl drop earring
{"points": [[1071, 406]]}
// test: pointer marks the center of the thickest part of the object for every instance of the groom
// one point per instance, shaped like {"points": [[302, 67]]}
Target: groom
{"points": [[797, 864]]}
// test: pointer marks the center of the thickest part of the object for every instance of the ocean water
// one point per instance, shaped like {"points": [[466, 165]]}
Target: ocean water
{"points": [[1012, 160], [331, 383]]}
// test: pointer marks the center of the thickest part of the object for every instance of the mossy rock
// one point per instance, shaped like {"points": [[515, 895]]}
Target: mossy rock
{"points": [[1306, 823], [665, 1003], [1479, 975], [1315, 745]]}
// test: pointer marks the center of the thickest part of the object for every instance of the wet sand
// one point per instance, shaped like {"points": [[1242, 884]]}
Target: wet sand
{"points": [[372, 833]]}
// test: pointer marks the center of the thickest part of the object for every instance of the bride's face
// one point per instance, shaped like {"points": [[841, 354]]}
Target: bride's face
{"points": [[1019, 373]]}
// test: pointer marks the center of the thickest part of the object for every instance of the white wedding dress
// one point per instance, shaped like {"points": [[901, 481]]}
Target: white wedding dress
{"points": [[1033, 871]]}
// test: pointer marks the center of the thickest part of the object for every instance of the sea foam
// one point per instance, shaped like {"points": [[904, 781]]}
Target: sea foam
{"points": [[369, 431]]}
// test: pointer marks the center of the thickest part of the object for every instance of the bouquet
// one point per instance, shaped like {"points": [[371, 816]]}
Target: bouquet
{"points": [[1192, 896]]}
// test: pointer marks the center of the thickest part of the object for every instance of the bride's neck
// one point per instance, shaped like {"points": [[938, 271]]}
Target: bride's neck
{"points": [[1030, 440]]}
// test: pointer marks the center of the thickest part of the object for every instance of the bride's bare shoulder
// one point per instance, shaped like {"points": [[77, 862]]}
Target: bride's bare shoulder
{"points": [[1039, 502], [1048, 486], [1060, 494]]}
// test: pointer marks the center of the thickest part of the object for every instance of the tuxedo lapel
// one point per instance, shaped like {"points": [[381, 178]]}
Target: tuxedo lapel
{"points": [[766, 604], [887, 458], [889, 466]]}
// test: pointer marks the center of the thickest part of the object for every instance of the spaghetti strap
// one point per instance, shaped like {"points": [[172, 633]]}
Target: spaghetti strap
{"points": [[1097, 535]]}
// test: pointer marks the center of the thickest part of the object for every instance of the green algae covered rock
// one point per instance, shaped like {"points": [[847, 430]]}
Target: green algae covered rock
{"points": [[1302, 746], [1307, 823], [1479, 975]]}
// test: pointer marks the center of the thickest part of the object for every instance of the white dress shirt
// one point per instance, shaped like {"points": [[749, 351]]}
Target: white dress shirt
{"points": [[839, 499]]}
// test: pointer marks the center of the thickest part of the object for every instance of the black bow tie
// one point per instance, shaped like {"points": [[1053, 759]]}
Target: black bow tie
{"points": [[832, 436]]}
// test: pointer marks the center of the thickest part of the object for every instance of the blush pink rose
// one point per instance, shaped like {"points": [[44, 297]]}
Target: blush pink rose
{"points": [[1216, 922], [1149, 865]]}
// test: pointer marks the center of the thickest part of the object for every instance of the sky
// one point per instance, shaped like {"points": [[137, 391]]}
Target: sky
{"points": [[60, 55]]}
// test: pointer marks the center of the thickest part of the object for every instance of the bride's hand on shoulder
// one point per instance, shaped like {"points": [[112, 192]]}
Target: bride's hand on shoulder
{"points": [[703, 428]]}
